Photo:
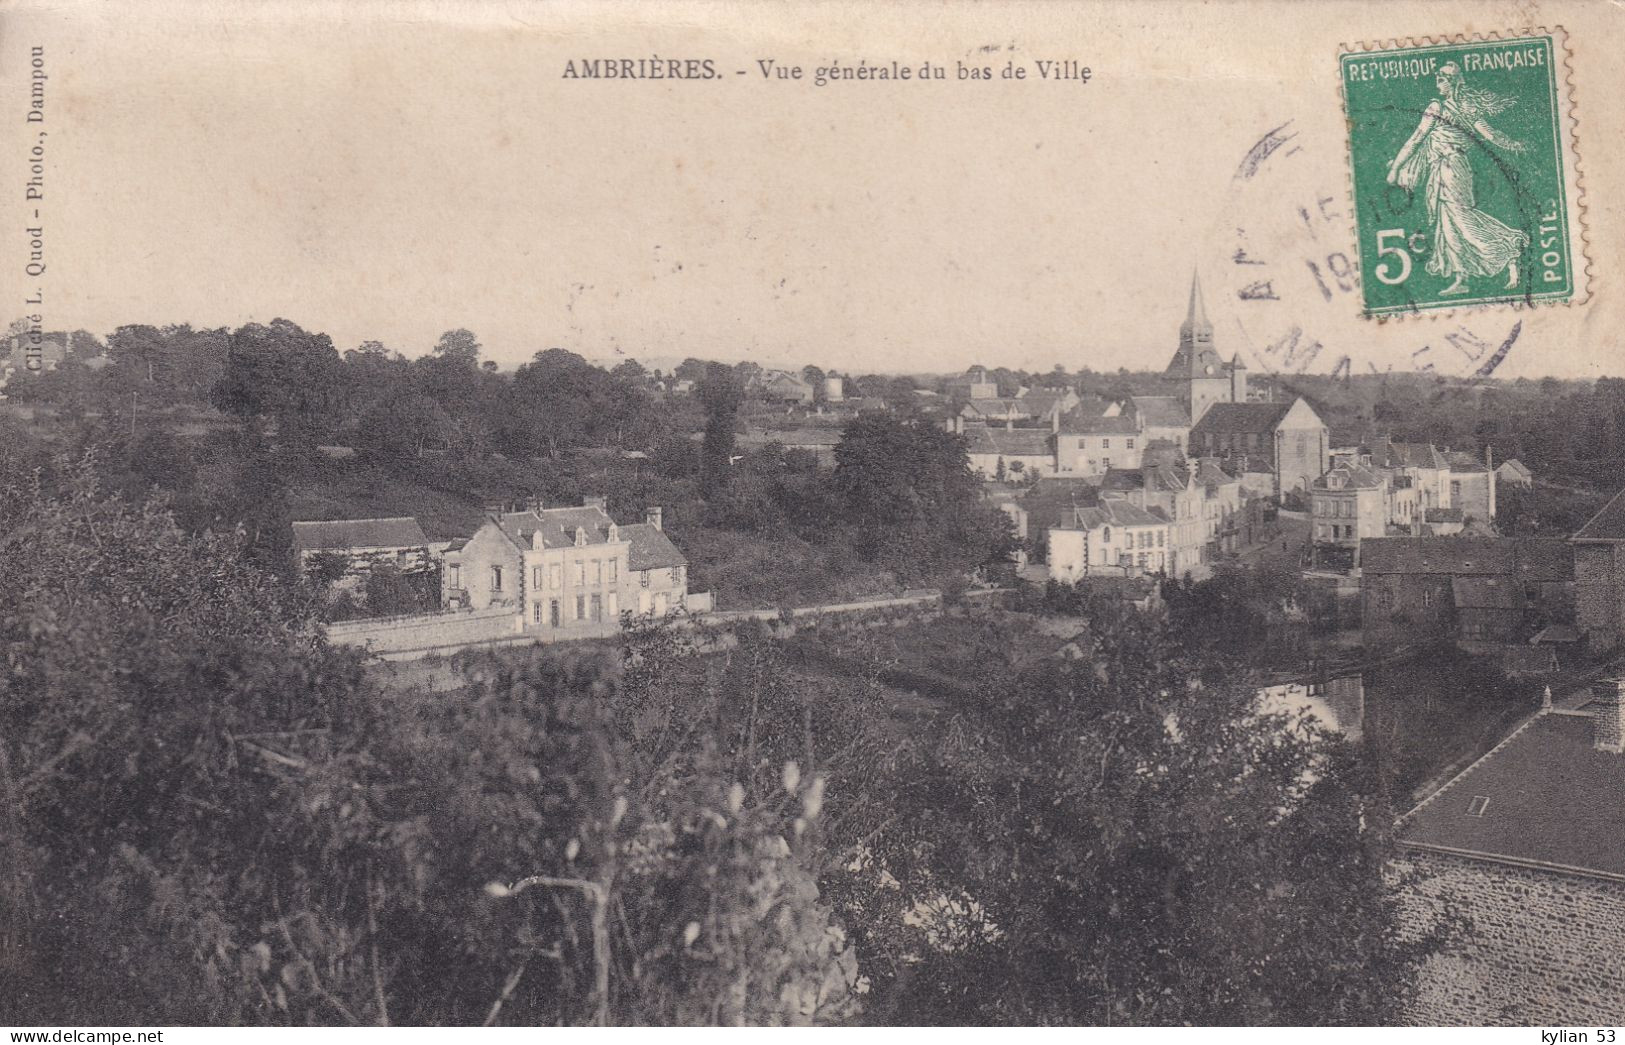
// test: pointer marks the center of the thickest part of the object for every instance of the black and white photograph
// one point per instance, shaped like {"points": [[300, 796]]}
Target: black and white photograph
{"points": [[551, 515]]}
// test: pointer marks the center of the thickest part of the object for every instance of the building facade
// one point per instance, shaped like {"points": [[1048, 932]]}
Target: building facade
{"points": [[1114, 538], [1472, 590], [566, 570], [1599, 577]]}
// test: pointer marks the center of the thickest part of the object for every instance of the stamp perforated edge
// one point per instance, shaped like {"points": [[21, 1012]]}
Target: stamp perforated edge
{"points": [[1569, 133]]}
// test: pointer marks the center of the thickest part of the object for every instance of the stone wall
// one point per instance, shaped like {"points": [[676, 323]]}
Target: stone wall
{"points": [[427, 631], [1598, 592], [1543, 948]]}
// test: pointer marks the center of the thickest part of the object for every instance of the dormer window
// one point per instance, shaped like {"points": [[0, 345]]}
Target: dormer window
{"points": [[1478, 805], [614, 534], [581, 536]]}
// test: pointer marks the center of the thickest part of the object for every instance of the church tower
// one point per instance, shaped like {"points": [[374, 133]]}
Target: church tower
{"points": [[1204, 378]]}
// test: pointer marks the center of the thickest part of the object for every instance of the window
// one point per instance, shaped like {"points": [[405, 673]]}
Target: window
{"points": [[536, 579], [679, 572], [614, 571], [1143, 558], [1455, 490], [1107, 535], [456, 575], [553, 612], [536, 612], [581, 607], [597, 607], [1129, 443], [643, 577], [496, 578], [1105, 444], [674, 572], [598, 571], [581, 572], [1478, 805], [1160, 535], [555, 576]]}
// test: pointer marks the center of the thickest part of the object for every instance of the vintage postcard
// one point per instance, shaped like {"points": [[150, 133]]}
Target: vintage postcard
{"points": [[1098, 513]]}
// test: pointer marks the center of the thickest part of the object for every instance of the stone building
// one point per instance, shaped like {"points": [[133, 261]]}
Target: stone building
{"points": [[1288, 441], [1599, 577], [567, 570], [348, 550], [1473, 590], [1526, 843], [1347, 505]]}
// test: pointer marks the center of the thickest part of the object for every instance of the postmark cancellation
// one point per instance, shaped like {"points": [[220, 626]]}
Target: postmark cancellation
{"points": [[1464, 176]]}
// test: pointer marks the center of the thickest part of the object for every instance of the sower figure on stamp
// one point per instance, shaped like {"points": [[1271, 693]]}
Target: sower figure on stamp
{"points": [[1466, 241]]}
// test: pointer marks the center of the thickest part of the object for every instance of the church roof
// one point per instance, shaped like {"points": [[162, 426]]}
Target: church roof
{"points": [[1241, 418]]}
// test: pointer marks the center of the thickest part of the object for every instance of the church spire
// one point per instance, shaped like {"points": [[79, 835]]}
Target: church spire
{"points": [[1196, 318]]}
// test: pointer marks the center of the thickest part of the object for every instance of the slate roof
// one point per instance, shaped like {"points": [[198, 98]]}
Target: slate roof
{"points": [[557, 525], [1465, 462], [1444, 515], [1085, 420], [1160, 478], [1210, 473], [1531, 559], [1000, 408], [1241, 418], [1051, 502], [1553, 799], [1608, 524], [1413, 455], [1161, 411], [1115, 512], [650, 548], [1517, 468], [1013, 442], [1353, 477], [356, 534]]}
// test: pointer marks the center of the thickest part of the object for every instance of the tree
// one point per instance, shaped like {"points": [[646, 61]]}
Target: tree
{"points": [[211, 817], [460, 346], [721, 395], [1124, 838], [281, 372]]}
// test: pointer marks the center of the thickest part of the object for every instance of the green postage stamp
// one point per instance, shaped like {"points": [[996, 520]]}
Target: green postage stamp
{"points": [[1464, 173]]}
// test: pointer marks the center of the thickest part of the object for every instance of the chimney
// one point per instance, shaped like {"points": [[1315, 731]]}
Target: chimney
{"points": [[1489, 457], [652, 516], [1608, 716], [1055, 420]]}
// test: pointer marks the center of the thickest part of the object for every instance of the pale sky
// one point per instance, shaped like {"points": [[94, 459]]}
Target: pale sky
{"points": [[388, 171]]}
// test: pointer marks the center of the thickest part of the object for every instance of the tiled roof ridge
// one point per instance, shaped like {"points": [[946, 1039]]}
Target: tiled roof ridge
{"points": [[1465, 773]]}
